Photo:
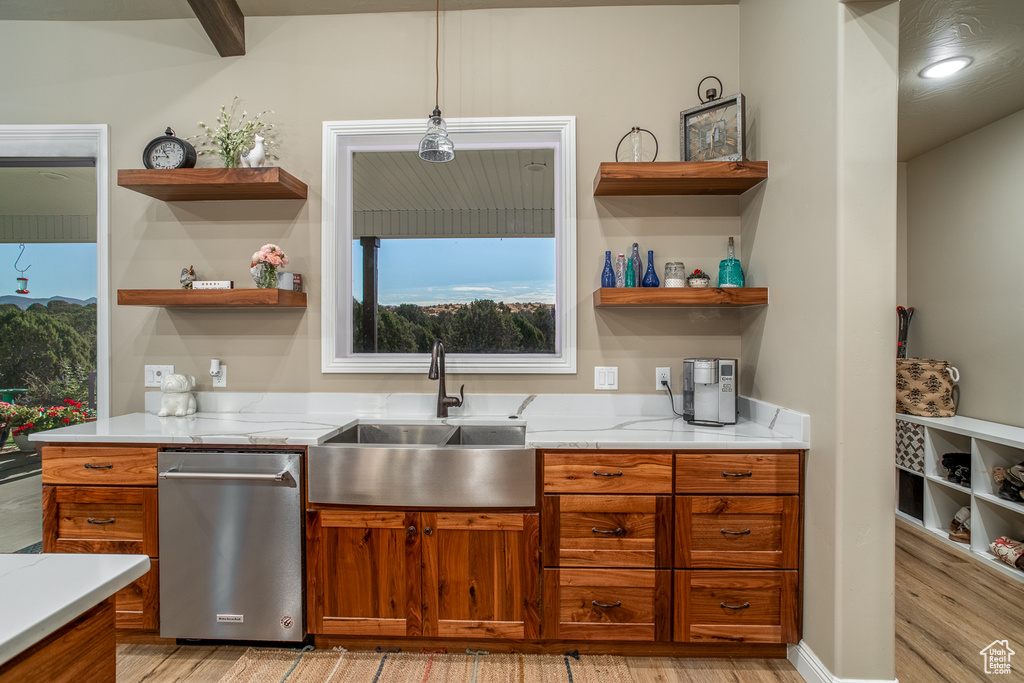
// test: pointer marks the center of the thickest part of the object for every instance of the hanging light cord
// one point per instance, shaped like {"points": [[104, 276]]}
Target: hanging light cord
{"points": [[437, 53]]}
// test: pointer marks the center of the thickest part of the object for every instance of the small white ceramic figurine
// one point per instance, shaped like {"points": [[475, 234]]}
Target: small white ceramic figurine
{"points": [[177, 399], [255, 157]]}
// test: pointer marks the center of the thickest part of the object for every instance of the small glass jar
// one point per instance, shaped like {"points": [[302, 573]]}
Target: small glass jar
{"points": [[675, 274]]}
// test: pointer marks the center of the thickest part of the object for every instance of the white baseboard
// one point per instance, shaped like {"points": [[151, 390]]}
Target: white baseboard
{"points": [[812, 670]]}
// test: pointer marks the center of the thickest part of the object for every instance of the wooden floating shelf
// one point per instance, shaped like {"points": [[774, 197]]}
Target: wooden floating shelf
{"points": [[644, 178], [692, 297], [212, 298], [200, 184]]}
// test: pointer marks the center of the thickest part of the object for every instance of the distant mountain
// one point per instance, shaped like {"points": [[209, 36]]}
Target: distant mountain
{"points": [[24, 302]]}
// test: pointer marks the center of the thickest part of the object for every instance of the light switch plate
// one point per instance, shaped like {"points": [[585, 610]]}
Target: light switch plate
{"points": [[156, 373], [606, 378]]}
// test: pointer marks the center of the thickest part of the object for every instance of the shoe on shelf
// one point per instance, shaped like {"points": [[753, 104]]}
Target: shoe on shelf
{"points": [[1016, 474], [960, 527], [1009, 551]]}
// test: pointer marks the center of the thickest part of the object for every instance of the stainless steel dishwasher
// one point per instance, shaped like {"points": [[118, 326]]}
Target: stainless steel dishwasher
{"points": [[231, 555]]}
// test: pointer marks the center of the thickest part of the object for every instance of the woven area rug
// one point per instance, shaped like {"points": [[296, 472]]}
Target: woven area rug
{"points": [[340, 666]]}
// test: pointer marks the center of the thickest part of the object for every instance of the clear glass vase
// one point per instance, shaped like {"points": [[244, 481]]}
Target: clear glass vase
{"points": [[265, 276]]}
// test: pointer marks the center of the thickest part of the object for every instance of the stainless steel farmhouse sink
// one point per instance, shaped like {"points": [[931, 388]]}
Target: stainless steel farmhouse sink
{"points": [[434, 465]]}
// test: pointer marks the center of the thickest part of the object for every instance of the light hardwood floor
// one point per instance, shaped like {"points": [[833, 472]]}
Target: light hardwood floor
{"points": [[202, 664], [949, 607]]}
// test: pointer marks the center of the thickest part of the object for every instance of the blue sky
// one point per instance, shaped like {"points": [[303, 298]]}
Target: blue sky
{"points": [[432, 271], [57, 270]]}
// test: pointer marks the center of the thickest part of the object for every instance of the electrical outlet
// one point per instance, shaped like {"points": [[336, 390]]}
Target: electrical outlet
{"points": [[660, 375], [156, 373], [222, 380], [606, 378]]}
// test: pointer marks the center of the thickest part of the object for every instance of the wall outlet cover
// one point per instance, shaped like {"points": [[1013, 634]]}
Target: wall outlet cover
{"points": [[662, 374], [221, 381]]}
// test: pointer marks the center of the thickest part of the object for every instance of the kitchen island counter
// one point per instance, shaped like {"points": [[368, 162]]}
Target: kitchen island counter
{"points": [[40, 594]]}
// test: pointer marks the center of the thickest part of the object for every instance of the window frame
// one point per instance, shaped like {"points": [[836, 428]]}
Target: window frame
{"points": [[342, 138]]}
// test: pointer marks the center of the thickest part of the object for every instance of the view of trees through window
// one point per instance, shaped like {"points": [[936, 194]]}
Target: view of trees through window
{"points": [[479, 295]]}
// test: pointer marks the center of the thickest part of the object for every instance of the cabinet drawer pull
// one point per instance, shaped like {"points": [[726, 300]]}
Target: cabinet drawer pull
{"points": [[607, 474], [736, 533], [606, 605], [100, 521], [748, 473], [410, 531], [90, 466], [743, 606], [618, 531]]}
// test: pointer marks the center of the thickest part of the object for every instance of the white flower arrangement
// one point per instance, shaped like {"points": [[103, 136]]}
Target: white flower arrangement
{"points": [[230, 142]]}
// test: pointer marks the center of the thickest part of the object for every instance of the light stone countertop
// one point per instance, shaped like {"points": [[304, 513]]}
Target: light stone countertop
{"points": [[39, 594], [552, 421]]}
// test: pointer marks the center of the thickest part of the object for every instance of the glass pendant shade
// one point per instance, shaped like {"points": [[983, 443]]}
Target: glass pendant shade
{"points": [[436, 146]]}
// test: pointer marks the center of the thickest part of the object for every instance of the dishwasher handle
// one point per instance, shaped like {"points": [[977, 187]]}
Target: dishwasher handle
{"points": [[230, 476]]}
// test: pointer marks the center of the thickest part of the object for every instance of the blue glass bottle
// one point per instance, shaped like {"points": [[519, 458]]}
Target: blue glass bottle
{"points": [[650, 277], [608, 275]]}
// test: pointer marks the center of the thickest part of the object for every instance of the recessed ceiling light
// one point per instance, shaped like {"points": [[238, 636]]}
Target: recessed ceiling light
{"points": [[536, 166], [53, 176], [946, 67]]}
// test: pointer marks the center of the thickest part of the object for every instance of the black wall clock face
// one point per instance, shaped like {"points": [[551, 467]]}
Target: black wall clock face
{"points": [[168, 152]]}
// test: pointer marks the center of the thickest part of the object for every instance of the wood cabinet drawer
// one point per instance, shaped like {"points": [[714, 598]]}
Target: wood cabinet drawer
{"points": [[607, 472], [752, 532], [607, 604], [606, 531], [93, 519], [137, 605], [99, 466], [736, 606], [737, 473]]}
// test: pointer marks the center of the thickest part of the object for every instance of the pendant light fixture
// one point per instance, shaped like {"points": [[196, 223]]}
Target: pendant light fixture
{"points": [[436, 146]]}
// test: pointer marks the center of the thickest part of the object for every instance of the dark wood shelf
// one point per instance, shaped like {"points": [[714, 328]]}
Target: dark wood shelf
{"points": [[645, 178], [212, 298], [664, 297], [200, 184]]}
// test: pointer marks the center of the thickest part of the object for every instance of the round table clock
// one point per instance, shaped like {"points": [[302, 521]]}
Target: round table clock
{"points": [[167, 152]]}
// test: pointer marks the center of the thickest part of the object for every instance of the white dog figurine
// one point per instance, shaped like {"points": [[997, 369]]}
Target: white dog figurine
{"points": [[255, 157], [177, 399]]}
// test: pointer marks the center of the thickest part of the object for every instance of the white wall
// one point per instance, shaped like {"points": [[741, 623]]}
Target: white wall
{"points": [[821, 84], [965, 244], [612, 68]]}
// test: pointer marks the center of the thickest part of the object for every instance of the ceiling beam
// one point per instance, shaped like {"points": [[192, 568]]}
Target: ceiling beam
{"points": [[224, 23]]}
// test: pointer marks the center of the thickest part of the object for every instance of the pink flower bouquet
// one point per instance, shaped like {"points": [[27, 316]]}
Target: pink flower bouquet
{"points": [[265, 263], [271, 254]]}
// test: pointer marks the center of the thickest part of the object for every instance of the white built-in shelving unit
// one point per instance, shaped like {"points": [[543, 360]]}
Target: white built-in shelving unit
{"points": [[925, 485]]}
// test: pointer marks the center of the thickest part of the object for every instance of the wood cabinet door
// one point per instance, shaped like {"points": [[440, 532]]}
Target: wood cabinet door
{"points": [[363, 575], [481, 575]]}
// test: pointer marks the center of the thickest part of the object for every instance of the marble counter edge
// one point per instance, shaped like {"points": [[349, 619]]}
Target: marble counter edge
{"points": [[50, 618]]}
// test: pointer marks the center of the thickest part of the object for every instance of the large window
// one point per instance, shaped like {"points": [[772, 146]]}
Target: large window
{"points": [[478, 252]]}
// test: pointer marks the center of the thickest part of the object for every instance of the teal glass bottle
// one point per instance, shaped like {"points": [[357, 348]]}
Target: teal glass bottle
{"points": [[650, 277], [730, 274], [630, 274]]}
